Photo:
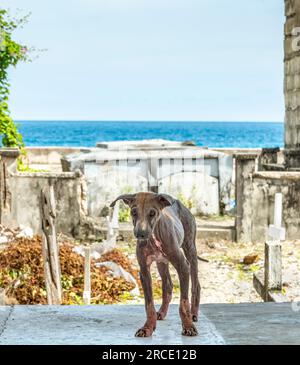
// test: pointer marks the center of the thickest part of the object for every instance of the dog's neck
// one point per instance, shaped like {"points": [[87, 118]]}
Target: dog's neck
{"points": [[156, 244]]}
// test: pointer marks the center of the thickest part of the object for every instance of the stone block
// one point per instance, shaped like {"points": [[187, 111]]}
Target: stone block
{"points": [[292, 7], [292, 82], [292, 66], [291, 49], [292, 99], [292, 23]]}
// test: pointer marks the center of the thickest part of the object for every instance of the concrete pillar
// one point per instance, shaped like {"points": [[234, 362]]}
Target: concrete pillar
{"points": [[292, 83], [245, 166], [8, 157]]}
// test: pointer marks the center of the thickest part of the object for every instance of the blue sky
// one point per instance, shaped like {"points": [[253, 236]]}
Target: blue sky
{"points": [[151, 60]]}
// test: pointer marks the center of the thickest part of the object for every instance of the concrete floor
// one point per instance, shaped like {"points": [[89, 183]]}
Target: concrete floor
{"points": [[261, 323]]}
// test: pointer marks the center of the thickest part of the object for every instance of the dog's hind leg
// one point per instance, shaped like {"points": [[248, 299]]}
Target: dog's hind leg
{"points": [[191, 256], [190, 252], [167, 288]]}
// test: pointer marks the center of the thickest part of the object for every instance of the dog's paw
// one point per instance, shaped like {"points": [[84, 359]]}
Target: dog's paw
{"points": [[160, 316], [144, 332], [190, 331], [195, 318]]}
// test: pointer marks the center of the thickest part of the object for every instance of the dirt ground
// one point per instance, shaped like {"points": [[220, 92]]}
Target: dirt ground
{"points": [[226, 278]]}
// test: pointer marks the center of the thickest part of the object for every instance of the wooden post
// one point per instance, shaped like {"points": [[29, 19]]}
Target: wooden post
{"points": [[50, 248], [110, 231], [87, 276], [115, 217]]}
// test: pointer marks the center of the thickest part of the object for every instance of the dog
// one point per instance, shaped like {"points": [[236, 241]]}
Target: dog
{"points": [[165, 231]]}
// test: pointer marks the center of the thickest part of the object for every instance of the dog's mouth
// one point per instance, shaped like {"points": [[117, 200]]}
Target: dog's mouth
{"points": [[146, 236], [142, 235], [143, 238]]}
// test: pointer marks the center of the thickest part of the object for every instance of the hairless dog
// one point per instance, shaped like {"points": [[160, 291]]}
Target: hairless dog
{"points": [[165, 230]]}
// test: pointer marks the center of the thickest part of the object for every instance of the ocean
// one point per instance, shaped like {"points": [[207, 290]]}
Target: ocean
{"points": [[209, 134]]}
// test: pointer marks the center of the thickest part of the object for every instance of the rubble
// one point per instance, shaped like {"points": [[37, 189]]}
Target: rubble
{"points": [[118, 272], [9, 234]]}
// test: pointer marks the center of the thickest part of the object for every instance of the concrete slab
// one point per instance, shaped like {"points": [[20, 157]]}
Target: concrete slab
{"points": [[94, 325], [256, 323], [262, 323]]}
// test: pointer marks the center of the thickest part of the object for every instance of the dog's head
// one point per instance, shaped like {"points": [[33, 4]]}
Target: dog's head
{"points": [[145, 211]]}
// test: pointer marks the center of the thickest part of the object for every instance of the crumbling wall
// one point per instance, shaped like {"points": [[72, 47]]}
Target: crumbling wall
{"points": [[49, 155], [265, 186], [255, 194], [20, 194]]}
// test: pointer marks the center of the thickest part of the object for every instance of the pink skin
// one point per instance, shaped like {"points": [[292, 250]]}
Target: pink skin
{"points": [[188, 328], [163, 310], [150, 324]]}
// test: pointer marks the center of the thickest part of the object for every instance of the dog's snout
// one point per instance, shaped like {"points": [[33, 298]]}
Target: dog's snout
{"points": [[141, 234]]}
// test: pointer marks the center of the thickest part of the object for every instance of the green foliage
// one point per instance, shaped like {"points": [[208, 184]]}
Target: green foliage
{"points": [[187, 202], [124, 213], [23, 163], [11, 53]]}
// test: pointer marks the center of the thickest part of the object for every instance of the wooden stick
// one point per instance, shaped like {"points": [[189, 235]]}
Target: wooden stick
{"points": [[87, 276], [50, 250], [115, 217]]}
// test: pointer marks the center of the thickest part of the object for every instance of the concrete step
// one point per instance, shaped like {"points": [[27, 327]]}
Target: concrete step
{"points": [[220, 233], [203, 232], [273, 167]]}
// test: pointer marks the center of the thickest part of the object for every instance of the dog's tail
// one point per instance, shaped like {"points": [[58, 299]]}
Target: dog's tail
{"points": [[202, 259]]}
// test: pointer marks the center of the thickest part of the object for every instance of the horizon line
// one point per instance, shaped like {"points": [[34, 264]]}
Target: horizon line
{"points": [[146, 121]]}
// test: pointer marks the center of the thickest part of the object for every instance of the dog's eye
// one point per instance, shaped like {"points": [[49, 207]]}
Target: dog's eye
{"points": [[152, 213], [134, 212]]}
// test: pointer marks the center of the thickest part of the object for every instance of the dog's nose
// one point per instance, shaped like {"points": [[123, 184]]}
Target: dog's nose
{"points": [[141, 234]]}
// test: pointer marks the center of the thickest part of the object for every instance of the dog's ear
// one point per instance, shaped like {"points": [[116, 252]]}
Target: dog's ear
{"points": [[165, 200], [127, 199]]}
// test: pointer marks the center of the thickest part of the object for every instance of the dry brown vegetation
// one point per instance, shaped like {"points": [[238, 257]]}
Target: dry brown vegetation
{"points": [[22, 274]]}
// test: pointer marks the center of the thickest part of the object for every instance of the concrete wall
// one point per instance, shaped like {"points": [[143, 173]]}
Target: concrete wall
{"points": [[265, 186], [49, 158], [255, 194], [201, 178], [105, 181], [245, 167], [81, 199], [20, 193], [49, 155], [104, 184], [199, 191]]}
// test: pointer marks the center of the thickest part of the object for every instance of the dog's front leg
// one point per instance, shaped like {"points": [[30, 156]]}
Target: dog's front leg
{"points": [[179, 262], [145, 276]]}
